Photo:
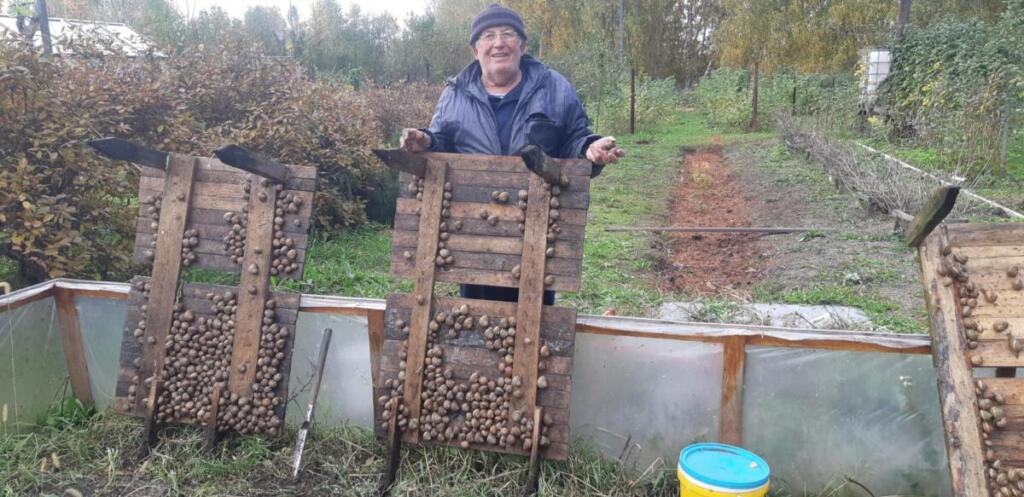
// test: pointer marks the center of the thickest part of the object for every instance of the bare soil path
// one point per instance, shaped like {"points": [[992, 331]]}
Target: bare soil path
{"points": [[854, 258]]}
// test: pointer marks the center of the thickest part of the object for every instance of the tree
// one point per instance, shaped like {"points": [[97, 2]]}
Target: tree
{"points": [[266, 27]]}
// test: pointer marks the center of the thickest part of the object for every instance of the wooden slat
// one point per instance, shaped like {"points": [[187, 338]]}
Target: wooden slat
{"points": [[730, 429], [74, 348], [510, 163], [481, 196], [167, 261], [252, 289], [531, 294], [567, 249], [986, 235], [502, 211], [956, 383], [473, 225], [375, 329], [505, 279], [494, 262], [433, 188]]}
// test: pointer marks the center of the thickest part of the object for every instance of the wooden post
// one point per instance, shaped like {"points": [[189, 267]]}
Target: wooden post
{"points": [[74, 349], [904, 16], [531, 292], [44, 26], [430, 219], [632, 100], [253, 290], [164, 282], [753, 101], [533, 475], [955, 378], [730, 429], [375, 327]]}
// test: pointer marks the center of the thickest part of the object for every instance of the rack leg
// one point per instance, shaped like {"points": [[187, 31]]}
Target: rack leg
{"points": [[150, 427], [212, 433], [533, 477], [394, 456]]}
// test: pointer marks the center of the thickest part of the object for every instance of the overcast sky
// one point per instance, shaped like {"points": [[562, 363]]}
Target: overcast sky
{"points": [[237, 8]]}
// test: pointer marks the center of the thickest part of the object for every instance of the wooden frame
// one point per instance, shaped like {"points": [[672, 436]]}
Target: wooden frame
{"points": [[737, 337], [975, 295]]}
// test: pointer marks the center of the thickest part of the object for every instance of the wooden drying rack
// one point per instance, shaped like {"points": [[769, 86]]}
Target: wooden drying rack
{"points": [[515, 222], [186, 207], [975, 296]]}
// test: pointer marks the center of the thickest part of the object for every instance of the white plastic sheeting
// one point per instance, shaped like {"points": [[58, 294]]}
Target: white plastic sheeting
{"points": [[346, 394], [33, 372], [815, 415], [640, 399], [102, 323], [818, 416]]}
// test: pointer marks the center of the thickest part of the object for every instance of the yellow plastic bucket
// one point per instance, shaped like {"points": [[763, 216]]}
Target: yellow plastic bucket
{"points": [[720, 470]]}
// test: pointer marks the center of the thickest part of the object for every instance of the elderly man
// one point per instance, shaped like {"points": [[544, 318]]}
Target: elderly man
{"points": [[504, 101]]}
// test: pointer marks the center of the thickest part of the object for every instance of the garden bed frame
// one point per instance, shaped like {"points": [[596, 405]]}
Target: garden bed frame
{"points": [[734, 338]]}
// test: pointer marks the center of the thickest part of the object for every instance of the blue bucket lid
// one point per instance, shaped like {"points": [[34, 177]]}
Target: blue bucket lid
{"points": [[724, 466]]}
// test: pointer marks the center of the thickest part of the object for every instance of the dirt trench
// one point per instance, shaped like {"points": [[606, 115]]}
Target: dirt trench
{"points": [[709, 194]]}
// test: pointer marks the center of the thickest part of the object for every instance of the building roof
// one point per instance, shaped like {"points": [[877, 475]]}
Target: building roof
{"points": [[113, 37]]}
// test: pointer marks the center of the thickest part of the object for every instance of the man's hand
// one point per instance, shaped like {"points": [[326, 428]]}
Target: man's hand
{"points": [[414, 140], [604, 151]]}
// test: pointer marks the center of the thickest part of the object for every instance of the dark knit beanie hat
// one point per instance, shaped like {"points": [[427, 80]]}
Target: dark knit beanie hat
{"points": [[496, 15]]}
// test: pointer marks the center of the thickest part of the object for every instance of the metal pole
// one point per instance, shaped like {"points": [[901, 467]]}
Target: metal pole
{"points": [[904, 16]]}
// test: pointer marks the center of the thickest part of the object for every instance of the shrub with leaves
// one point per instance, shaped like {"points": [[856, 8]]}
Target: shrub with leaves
{"points": [[65, 211], [958, 86]]}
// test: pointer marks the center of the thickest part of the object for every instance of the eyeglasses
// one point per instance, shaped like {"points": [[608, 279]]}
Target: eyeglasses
{"points": [[507, 36]]}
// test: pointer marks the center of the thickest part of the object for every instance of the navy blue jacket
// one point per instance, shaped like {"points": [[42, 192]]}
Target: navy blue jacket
{"points": [[549, 114]]}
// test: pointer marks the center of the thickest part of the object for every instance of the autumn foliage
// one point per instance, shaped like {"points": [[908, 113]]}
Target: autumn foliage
{"points": [[65, 211]]}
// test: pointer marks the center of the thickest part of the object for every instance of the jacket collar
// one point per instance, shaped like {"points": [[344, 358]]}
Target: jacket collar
{"points": [[468, 79]]}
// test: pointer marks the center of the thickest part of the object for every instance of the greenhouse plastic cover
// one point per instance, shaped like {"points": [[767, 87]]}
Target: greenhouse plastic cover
{"points": [[816, 416], [33, 372]]}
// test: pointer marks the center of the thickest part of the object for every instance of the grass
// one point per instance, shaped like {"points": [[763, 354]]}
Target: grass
{"points": [[96, 456], [1004, 188]]}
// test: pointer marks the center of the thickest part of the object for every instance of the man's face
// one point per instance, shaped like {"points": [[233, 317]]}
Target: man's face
{"points": [[499, 50]]}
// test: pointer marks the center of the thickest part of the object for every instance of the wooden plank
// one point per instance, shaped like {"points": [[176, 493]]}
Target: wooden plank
{"points": [[567, 249], [212, 221], [433, 188], [167, 261], [955, 381], [375, 329], [495, 262], [992, 252], [511, 182], [730, 429], [986, 235], [476, 226], [481, 196], [933, 212], [491, 278], [74, 348], [508, 163], [502, 211], [531, 294], [253, 291]]}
